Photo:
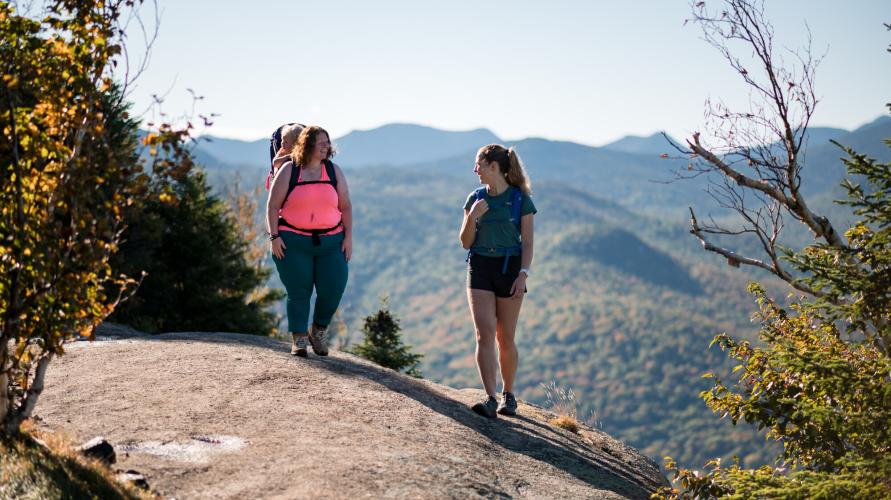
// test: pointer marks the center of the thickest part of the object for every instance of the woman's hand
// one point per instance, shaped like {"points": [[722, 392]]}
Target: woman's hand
{"points": [[519, 287], [347, 246], [278, 248], [478, 209]]}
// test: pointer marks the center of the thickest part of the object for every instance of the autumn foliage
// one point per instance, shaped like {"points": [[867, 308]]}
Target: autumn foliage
{"points": [[69, 170]]}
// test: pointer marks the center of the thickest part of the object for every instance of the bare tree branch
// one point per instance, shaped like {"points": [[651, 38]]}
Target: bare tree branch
{"points": [[757, 151], [734, 259]]}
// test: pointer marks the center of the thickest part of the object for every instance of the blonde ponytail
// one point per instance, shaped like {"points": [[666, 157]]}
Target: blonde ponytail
{"points": [[509, 165], [516, 174]]}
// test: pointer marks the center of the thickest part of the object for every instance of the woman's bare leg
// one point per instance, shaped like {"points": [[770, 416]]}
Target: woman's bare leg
{"points": [[482, 308], [507, 311]]}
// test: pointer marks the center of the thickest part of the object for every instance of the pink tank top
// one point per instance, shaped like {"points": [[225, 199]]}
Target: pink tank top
{"points": [[312, 206]]}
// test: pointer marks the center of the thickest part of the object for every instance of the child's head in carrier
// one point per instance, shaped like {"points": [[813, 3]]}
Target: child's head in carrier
{"points": [[290, 133]]}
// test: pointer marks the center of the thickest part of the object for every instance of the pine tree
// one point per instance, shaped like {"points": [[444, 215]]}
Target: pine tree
{"points": [[199, 277], [383, 343]]}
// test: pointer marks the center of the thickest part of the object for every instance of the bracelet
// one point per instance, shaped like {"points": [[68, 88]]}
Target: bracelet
{"points": [[524, 270], [272, 237]]}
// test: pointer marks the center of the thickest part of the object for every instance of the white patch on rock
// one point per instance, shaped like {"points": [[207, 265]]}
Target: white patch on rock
{"points": [[198, 449]]}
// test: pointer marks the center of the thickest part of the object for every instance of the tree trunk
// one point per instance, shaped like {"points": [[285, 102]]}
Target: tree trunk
{"points": [[4, 391], [5, 403], [14, 421]]}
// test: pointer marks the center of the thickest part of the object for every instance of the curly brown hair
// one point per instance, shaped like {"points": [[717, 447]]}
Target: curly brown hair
{"points": [[306, 142]]}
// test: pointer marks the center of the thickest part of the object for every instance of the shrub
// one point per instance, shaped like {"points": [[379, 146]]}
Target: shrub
{"points": [[383, 345]]}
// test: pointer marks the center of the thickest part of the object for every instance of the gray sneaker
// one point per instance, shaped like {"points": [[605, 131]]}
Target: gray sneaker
{"points": [[317, 339], [298, 345], [486, 407], [508, 405]]}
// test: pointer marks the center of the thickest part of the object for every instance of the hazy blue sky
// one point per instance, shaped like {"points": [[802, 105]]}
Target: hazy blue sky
{"points": [[585, 71]]}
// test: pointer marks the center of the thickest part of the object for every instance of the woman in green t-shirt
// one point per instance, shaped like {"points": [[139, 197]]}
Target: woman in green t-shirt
{"points": [[500, 257]]}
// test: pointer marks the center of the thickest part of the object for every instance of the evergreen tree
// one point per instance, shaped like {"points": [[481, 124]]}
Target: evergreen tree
{"points": [[198, 277], [383, 343]]}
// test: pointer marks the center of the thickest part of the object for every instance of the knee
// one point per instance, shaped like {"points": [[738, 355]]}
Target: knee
{"points": [[505, 341], [485, 336]]}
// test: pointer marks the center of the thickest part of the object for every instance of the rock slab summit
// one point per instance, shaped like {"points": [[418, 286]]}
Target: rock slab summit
{"points": [[221, 415]]}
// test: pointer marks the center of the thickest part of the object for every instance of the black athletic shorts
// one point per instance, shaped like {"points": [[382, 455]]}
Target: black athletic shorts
{"points": [[484, 273]]}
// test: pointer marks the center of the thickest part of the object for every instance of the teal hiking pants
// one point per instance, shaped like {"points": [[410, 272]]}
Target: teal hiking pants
{"points": [[305, 267]]}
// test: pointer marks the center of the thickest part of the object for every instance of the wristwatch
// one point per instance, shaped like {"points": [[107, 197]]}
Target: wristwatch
{"points": [[524, 270]]}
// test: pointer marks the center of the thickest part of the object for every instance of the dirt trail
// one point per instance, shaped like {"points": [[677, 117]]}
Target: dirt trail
{"points": [[235, 416]]}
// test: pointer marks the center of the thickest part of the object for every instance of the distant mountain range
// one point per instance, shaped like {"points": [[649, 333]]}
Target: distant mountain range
{"points": [[653, 144], [397, 144], [401, 144], [628, 171]]}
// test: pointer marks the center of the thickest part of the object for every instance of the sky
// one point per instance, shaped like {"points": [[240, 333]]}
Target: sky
{"points": [[584, 71]]}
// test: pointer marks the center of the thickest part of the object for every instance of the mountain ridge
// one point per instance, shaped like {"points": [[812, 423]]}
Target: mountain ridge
{"points": [[651, 144], [235, 151]]}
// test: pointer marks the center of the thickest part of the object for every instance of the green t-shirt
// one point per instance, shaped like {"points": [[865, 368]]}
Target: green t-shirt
{"points": [[495, 231]]}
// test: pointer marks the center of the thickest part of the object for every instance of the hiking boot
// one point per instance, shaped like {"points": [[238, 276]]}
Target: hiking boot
{"points": [[317, 339], [486, 407], [298, 345], [508, 405]]}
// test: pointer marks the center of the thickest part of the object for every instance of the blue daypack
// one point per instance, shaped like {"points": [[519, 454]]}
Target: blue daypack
{"points": [[515, 205]]}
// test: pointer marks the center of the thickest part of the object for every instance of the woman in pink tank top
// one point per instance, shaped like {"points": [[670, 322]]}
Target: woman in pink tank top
{"points": [[310, 223]]}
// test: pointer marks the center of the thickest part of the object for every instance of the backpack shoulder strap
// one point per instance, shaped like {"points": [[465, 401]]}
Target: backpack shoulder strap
{"points": [[292, 180], [332, 173], [516, 205], [479, 193]]}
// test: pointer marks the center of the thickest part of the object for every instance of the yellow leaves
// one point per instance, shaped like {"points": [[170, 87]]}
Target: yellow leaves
{"points": [[26, 357], [63, 244], [165, 198], [150, 139], [858, 231], [11, 81]]}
